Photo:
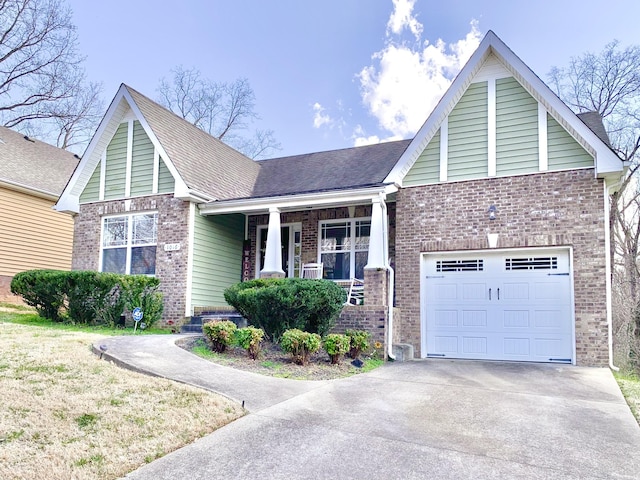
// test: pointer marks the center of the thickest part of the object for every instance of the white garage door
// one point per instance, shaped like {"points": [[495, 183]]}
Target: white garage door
{"points": [[510, 305]]}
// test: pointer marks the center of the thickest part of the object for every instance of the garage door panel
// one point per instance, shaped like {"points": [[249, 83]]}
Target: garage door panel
{"points": [[512, 307]]}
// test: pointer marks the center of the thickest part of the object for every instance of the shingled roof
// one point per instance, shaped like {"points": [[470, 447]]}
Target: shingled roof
{"points": [[34, 165], [331, 170], [206, 164], [593, 120]]}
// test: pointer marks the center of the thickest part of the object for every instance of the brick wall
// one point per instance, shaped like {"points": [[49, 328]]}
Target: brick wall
{"points": [[548, 209], [173, 227]]}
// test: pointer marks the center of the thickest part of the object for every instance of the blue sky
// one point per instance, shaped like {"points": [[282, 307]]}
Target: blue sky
{"points": [[335, 73]]}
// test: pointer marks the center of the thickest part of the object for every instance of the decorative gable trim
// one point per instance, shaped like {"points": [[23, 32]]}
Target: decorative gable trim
{"points": [[606, 161], [122, 109]]}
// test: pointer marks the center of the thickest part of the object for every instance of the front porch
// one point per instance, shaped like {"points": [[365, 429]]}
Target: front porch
{"points": [[352, 237]]}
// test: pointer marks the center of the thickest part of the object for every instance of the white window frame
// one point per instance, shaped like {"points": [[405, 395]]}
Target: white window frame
{"points": [[352, 250], [129, 238]]}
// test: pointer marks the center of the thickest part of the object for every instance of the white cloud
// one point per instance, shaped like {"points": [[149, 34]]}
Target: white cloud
{"points": [[403, 84], [402, 17], [319, 117]]}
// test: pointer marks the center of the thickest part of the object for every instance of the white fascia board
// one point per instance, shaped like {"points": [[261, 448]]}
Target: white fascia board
{"points": [[23, 188], [606, 159], [441, 111], [298, 202], [181, 186]]}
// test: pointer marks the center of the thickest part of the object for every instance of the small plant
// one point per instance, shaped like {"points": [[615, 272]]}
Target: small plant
{"points": [[359, 342], [250, 338], [300, 344], [336, 345], [220, 333]]}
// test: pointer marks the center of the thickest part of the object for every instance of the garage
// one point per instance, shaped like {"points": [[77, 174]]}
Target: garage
{"points": [[498, 305]]}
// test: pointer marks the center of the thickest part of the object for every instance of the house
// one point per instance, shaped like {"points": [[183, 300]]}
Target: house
{"points": [[32, 234], [483, 237]]}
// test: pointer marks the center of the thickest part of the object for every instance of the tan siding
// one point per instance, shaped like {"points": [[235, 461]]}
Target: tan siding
{"points": [[33, 235], [116, 169], [141, 162], [468, 142], [427, 167], [91, 192]]}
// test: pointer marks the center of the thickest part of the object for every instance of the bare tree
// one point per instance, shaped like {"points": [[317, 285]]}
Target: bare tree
{"points": [[609, 83], [224, 110], [41, 79]]}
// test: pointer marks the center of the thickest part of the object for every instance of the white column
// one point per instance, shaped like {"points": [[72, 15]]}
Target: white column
{"points": [[273, 256], [377, 243]]}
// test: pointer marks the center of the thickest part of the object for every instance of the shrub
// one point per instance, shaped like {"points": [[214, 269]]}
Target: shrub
{"points": [[336, 345], [359, 341], [276, 305], [300, 344], [42, 289], [250, 338], [219, 333], [88, 297]]}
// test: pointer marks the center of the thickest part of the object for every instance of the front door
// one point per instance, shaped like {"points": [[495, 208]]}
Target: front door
{"points": [[291, 248]]}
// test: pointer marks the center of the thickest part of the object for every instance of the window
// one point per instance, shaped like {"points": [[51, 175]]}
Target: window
{"points": [[531, 263], [129, 244], [344, 248]]}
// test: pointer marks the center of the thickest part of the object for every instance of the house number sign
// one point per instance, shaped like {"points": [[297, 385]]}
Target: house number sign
{"points": [[171, 247]]}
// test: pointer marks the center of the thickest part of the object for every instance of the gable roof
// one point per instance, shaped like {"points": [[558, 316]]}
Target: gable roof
{"points": [[606, 161], [354, 167], [195, 159], [32, 165]]}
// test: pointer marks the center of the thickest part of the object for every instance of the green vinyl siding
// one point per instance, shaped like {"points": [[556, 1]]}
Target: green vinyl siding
{"points": [[141, 162], [116, 166], [91, 192], [217, 257], [563, 150], [468, 141], [516, 129], [166, 183], [427, 167]]}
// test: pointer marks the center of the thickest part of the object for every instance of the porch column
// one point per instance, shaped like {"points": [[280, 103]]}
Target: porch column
{"points": [[273, 255], [377, 238]]}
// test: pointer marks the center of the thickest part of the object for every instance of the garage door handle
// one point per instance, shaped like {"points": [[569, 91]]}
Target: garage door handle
{"points": [[498, 294], [489, 294]]}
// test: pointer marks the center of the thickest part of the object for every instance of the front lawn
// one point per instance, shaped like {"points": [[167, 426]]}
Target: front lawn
{"points": [[64, 413], [630, 386]]}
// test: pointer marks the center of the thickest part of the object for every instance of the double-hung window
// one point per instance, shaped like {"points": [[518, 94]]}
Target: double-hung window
{"points": [[129, 243], [344, 247]]}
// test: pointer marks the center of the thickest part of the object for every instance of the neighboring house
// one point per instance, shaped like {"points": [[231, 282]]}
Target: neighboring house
{"points": [[493, 218], [32, 234]]}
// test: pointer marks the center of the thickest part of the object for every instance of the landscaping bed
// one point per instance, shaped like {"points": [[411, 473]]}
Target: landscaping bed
{"points": [[276, 363]]}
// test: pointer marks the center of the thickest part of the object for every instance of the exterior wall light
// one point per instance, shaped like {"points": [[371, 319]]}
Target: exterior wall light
{"points": [[492, 212]]}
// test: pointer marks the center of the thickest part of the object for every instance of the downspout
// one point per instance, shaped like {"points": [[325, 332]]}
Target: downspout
{"points": [[387, 267], [607, 246]]}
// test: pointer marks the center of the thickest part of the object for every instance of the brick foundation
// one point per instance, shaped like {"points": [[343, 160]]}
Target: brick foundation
{"points": [[548, 209]]}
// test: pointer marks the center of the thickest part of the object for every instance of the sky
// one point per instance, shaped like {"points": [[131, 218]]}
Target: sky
{"points": [[335, 74]]}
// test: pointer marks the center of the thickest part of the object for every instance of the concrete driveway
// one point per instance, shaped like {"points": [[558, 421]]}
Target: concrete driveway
{"points": [[438, 419]]}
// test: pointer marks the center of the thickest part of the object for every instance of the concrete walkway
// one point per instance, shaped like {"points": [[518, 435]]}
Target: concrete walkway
{"points": [[437, 419]]}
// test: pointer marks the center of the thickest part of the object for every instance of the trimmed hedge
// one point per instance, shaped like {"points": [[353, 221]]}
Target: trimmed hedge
{"points": [[88, 297], [279, 304]]}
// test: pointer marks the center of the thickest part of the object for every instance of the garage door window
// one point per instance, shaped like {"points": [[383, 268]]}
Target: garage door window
{"points": [[532, 263], [459, 266]]}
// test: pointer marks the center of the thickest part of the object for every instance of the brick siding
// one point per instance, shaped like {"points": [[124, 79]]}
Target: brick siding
{"points": [[173, 227], [547, 209]]}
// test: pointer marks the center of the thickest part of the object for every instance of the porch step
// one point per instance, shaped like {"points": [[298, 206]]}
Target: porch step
{"points": [[195, 322], [403, 352]]}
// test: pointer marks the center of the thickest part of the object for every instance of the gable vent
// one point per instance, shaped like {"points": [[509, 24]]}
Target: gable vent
{"points": [[459, 265], [532, 263]]}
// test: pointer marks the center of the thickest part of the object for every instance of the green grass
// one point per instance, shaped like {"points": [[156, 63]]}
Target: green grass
{"points": [[33, 320], [12, 306], [629, 383]]}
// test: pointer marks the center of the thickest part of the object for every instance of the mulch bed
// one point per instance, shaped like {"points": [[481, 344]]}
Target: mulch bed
{"points": [[274, 362]]}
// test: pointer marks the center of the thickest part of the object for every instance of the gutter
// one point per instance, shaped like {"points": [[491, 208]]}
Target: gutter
{"points": [[607, 246]]}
